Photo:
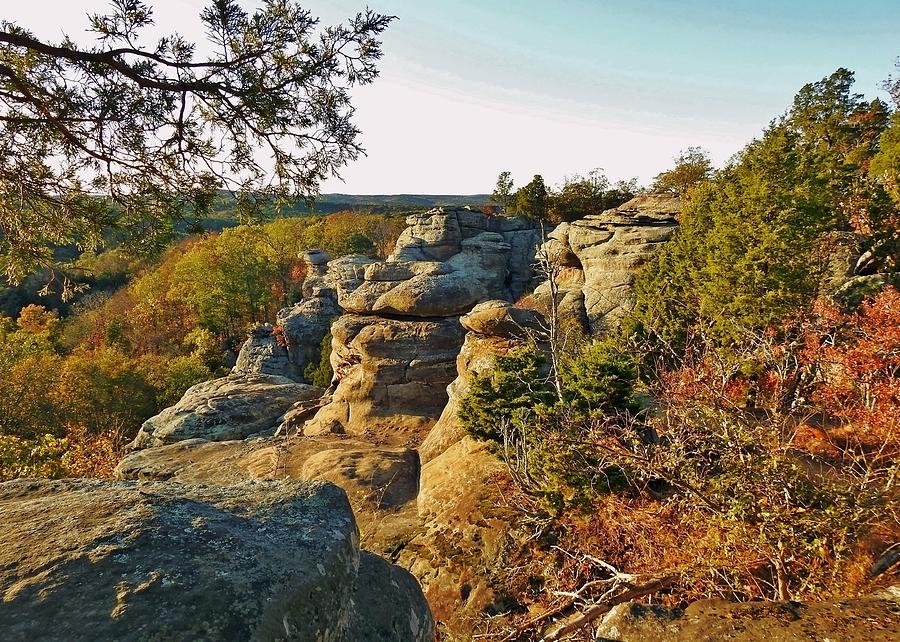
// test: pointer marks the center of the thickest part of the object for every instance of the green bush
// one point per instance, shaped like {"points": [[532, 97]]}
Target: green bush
{"points": [[319, 372], [543, 433]]}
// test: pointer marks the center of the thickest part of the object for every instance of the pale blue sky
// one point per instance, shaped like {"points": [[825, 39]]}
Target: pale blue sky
{"points": [[471, 88]]}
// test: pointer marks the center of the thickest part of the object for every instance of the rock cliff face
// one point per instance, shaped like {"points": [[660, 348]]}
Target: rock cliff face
{"points": [[600, 255], [394, 351], [391, 376], [155, 561], [465, 523]]}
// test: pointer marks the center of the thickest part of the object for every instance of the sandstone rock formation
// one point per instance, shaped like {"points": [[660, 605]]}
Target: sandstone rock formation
{"points": [[446, 261], [600, 255], [392, 375], [394, 353], [381, 482], [464, 518], [232, 407], [161, 561], [262, 354]]}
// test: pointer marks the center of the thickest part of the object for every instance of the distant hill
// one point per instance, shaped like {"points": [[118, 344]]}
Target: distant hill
{"points": [[349, 201], [224, 215]]}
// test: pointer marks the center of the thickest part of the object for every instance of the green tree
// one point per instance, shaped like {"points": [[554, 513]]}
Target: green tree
{"points": [[531, 200], [885, 166], [157, 129], [227, 280], [503, 191], [692, 167], [580, 196], [752, 245], [319, 373]]}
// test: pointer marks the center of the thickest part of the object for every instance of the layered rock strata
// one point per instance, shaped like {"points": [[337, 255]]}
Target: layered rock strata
{"points": [[598, 257], [394, 351]]}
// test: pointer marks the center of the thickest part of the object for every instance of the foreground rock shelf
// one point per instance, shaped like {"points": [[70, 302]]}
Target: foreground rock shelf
{"points": [[93, 560]]}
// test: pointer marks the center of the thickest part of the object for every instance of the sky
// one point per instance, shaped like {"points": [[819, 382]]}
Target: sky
{"points": [[471, 88]]}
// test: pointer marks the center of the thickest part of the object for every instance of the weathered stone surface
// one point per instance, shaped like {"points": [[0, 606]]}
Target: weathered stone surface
{"points": [[93, 560], [262, 354], [376, 476], [391, 376], [388, 605], [501, 319], [608, 249], [465, 529], [381, 482], [869, 619], [304, 326], [446, 261], [232, 407]]}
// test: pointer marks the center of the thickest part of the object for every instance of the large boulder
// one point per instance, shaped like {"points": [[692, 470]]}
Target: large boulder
{"points": [[503, 320], [391, 377], [381, 482], [263, 354], [601, 255], [232, 407], [98, 560]]}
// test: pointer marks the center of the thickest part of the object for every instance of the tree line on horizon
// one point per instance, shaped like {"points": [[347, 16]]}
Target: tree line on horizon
{"points": [[579, 196]]}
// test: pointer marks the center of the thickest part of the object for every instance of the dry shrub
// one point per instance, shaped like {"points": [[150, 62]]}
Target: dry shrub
{"points": [[91, 455]]}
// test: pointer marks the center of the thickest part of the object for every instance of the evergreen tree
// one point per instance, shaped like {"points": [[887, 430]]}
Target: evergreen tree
{"points": [[531, 200], [751, 246]]}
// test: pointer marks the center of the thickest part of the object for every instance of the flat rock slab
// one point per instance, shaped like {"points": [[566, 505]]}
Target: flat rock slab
{"points": [[232, 407], [98, 560], [381, 482]]}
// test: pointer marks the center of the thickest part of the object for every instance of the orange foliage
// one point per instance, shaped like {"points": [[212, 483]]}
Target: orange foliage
{"points": [[89, 454]]}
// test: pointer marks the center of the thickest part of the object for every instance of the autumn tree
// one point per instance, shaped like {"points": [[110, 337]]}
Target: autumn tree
{"points": [[157, 129], [692, 167], [580, 196]]}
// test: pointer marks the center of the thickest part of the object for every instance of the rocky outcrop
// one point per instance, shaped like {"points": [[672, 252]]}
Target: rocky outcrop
{"points": [[392, 376], [233, 407], [263, 354], [286, 349], [870, 619], [466, 522], [599, 256], [394, 353], [495, 328], [445, 262], [94, 560]]}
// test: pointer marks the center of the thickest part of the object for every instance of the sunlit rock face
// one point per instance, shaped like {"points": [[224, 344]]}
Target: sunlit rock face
{"points": [[394, 352], [600, 255]]}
